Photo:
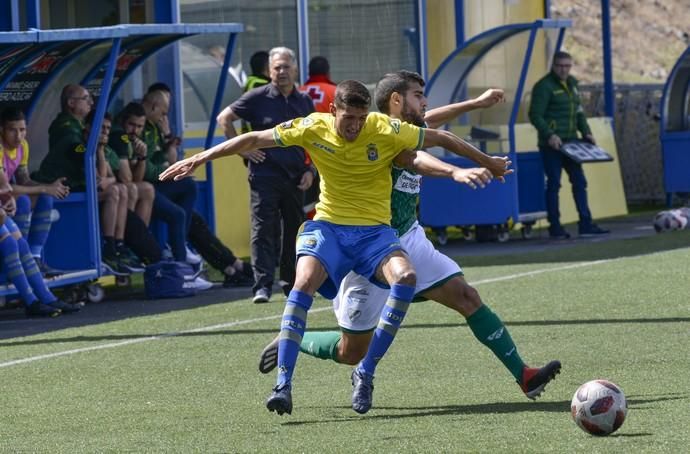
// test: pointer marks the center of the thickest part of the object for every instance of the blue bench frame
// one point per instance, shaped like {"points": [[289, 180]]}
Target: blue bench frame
{"points": [[55, 52]]}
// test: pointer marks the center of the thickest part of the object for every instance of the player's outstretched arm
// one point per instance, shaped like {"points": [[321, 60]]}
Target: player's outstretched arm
{"points": [[428, 165], [497, 165], [434, 118], [249, 141]]}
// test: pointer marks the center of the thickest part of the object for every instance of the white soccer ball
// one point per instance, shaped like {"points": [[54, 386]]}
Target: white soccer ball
{"points": [[599, 407], [671, 220]]}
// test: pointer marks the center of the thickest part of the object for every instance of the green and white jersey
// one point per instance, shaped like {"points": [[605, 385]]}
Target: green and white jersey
{"points": [[404, 198]]}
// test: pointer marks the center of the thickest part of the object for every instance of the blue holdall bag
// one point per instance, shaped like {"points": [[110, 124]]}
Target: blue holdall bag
{"points": [[169, 279]]}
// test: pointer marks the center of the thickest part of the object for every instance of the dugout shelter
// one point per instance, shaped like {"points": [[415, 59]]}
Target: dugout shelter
{"points": [[526, 49], [675, 128], [36, 64]]}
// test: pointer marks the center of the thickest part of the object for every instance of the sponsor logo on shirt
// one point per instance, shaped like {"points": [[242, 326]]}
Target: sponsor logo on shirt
{"points": [[124, 138], [408, 183], [323, 147], [372, 152]]}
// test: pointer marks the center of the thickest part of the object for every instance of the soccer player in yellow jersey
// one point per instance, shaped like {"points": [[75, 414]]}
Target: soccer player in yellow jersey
{"points": [[439, 278], [354, 151]]}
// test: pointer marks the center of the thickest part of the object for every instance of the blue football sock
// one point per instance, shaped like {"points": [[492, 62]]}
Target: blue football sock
{"points": [[33, 274], [13, 267], [40, 225], [22, 216], [392, 316], [291, 331]]}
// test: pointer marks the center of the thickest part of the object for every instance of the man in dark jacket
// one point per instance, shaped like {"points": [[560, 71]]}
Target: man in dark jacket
{"points": [[557, 114], [277, 179]]}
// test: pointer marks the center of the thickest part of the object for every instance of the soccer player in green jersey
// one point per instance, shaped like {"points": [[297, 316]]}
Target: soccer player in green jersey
{"points": [[354, 151], [358, 303]]}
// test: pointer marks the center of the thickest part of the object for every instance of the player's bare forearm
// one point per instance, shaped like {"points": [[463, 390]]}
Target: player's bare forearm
{"points": [[454, 144], [498, 166], [428, 165], [245, 142], [439, 116], [425, 164]]}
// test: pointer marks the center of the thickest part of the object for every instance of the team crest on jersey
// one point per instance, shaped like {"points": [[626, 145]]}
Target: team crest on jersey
{"points": [[395, 124], [286, 124], [125, 138], [372, 152], [80, 148], [306, 122]]}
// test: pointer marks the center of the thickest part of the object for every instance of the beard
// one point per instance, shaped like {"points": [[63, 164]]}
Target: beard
{"points": [[409, 116]]}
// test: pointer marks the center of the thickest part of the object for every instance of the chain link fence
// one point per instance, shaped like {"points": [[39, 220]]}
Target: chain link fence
{"points": [[637, 137]]}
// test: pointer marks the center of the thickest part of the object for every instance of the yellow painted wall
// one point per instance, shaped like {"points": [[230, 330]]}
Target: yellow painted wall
{"points": [[231, 194], [604, 180], [440, 22]]}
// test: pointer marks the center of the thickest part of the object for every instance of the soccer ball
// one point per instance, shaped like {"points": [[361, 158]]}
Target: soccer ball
{"points": [[671, 220], [599, 407]]}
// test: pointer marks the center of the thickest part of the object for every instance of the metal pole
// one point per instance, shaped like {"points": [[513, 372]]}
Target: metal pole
{"points": [[303, 39], [609, 95]]}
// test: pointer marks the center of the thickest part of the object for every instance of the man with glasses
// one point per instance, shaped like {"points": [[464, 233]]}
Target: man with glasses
{"points": [[276, 179], [557, 114], [66, 145]]}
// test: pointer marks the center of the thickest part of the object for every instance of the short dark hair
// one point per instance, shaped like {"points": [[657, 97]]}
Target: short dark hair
{"points": [[11, 113], [89, 118], [352, 93], [159, 86], [319, 66], [562, 55], [259, 62], [397, 82], [133, 109]]}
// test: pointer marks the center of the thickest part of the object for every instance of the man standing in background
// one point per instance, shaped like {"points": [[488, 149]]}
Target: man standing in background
{"points": [[277, 179], [557, 114]]}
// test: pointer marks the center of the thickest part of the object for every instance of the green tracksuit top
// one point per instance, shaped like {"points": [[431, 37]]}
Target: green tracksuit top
{"points": [[66, 150], [556, 109]]}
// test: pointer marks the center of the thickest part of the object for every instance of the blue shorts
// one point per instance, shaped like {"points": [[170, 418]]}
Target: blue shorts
{"points": [[345, 248]]}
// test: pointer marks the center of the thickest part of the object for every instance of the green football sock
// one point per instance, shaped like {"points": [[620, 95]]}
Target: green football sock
{"points": [[490, 331], [321, 344]]}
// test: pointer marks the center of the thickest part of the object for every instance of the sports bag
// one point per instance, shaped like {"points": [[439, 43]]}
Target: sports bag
{"points": [[169, 279]]}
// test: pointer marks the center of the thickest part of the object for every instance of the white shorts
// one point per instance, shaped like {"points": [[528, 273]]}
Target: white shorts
{"points": [[359, 303]]}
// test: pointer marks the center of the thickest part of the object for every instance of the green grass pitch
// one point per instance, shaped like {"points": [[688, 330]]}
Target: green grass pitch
{"points": [[187, 381]]}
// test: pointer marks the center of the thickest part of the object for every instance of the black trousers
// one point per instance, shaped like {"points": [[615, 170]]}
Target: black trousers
{"points": [[275, 203], [140, 240], [218, 255]]}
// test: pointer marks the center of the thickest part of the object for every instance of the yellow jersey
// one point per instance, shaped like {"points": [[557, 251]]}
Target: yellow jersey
{"points": [[355, 176]]}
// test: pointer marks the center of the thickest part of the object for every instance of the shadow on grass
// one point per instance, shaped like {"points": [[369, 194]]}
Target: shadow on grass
{"points": [[392, 412], [274, 331]]}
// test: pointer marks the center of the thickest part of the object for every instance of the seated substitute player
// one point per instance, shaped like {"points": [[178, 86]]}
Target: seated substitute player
{"points": [[20, 268], [354, 151], [401, 95], [34, 200]]}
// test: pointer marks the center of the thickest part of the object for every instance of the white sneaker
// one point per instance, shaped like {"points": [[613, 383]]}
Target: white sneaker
{"points": [[192, 258], [201, 284]]}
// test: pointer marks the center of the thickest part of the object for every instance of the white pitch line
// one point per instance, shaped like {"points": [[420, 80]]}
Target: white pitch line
{"points": [[31, 359], [542, 271]]}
